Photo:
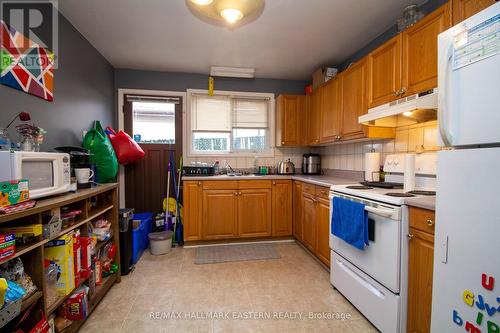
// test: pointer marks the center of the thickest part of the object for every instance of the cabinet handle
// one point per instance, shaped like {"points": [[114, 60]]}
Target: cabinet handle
{"points": [[430, 223], [282, 142], [402, 91], [239, 193], [235, 193], [410, 236], [397, 92], [274, 183], [199, 183], [316, 140], [324, 192]]}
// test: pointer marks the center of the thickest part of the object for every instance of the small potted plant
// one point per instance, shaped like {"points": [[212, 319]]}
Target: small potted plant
{"points": [[4, 136]]}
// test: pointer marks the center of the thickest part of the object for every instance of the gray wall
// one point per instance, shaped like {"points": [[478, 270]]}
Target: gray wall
{"points": [[426, 8], [83, 91], [138, 79]]}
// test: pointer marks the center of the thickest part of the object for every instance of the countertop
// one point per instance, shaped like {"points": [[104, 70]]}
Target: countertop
{"points": [[316, 180], [422, 202]]}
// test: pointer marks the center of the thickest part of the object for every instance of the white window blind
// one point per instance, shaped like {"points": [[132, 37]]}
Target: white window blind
{"points": [[211, 113], [250, 113]]}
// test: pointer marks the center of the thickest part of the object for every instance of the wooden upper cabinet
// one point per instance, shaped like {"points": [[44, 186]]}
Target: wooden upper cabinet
{"points": [[330, 111], [254, 212], [192, 194], [290, 111], [353, 99], [282, 208], [313, 133], [420, 51], [220, 214], [384, 73], [463, 9]]}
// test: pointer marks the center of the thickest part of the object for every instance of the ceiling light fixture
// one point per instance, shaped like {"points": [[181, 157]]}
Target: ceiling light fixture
{"points": [[202, 2], [247, 73], [408, 113], [226, 12], [231, 15]]}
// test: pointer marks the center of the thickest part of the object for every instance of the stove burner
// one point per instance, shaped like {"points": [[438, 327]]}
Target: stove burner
{"points": [[359, 187], [400, 195], [417, 192], [387, 185]]}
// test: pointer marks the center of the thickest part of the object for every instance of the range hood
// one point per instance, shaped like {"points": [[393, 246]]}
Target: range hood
{"points": [[409, 110]]}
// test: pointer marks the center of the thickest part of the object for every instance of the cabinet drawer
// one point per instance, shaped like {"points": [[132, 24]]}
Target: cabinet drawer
{"points": [[309, 188], [257, 184], [322, 192], [422, 219], [220, 184]]}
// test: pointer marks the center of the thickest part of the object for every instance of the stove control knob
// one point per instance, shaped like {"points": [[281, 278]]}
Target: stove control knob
{"points": [[396, 162]]}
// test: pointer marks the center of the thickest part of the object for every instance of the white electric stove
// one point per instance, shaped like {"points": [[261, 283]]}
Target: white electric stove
{"points": [[375, 279]]}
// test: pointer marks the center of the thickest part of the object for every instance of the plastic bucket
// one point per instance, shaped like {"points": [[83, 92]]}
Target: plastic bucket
{"points": [[160, 242]]}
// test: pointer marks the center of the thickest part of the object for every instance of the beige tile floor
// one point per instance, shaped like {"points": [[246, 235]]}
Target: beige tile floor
{"points": [[174, 284]]}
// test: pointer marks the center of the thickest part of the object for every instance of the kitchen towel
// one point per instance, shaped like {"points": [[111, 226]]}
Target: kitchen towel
{"points": [[350, 222]]}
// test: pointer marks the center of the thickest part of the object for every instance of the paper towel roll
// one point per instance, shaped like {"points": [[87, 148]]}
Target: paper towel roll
{"points": [[372, 167], [409, 175]]}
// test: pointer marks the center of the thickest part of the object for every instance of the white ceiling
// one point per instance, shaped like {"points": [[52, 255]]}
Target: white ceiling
{"points": [[288, 41]]}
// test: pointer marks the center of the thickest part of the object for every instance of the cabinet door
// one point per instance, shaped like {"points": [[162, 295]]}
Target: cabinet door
{"points": [[314, 117], [309, 221], [192, 196], [421, 259], [330, 112], [384, 73], [463, 9], [353, 99], [297, 210], [323, 231], [254, 212], [420, 51], [282, 210], [288, 114], [219, 214]]}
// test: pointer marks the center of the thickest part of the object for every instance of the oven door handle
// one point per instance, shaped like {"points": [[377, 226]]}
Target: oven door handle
{"points": [[380, 211]]}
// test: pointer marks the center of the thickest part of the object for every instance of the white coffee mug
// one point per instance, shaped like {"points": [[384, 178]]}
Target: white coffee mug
{"points": [[83, 175]]}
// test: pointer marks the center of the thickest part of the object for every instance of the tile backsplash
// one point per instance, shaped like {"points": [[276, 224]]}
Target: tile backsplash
{"points": [[348, 156], [280, 154]]}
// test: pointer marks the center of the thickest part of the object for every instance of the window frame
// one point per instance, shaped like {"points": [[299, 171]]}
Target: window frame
{"points": [[269, 152]]}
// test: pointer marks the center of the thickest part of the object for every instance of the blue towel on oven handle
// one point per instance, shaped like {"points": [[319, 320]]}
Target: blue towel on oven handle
{"points": [[350, 222]]}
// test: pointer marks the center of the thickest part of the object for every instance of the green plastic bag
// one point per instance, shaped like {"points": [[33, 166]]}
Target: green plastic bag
{"points": [[103, 155]]}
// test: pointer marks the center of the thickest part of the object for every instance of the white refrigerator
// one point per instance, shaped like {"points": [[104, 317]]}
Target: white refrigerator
{"points": [[466, 286]]}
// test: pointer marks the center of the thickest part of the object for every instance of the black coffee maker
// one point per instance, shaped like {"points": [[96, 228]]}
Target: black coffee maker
{"points": [[79, 158]]}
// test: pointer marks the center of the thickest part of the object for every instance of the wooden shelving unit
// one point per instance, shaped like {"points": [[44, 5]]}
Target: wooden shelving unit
{"points": [[94, 203]]}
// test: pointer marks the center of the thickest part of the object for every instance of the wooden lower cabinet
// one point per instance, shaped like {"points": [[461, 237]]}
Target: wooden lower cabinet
{"points": [[220, 209], [309, 233], [219, 214], [420, 271], [192, 194], [254, 213], [297, 210], [314, 206], [282, 208], [323, 231]]}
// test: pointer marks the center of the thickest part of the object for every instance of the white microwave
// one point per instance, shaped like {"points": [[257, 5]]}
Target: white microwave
{"points": [[47, 173]]}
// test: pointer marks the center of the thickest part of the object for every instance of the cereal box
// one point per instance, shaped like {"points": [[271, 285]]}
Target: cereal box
{"points": [[14, 192], [60, 251]]}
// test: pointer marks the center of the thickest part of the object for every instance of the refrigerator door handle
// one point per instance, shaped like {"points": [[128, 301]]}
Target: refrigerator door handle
{"points": [[443, 74]]}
